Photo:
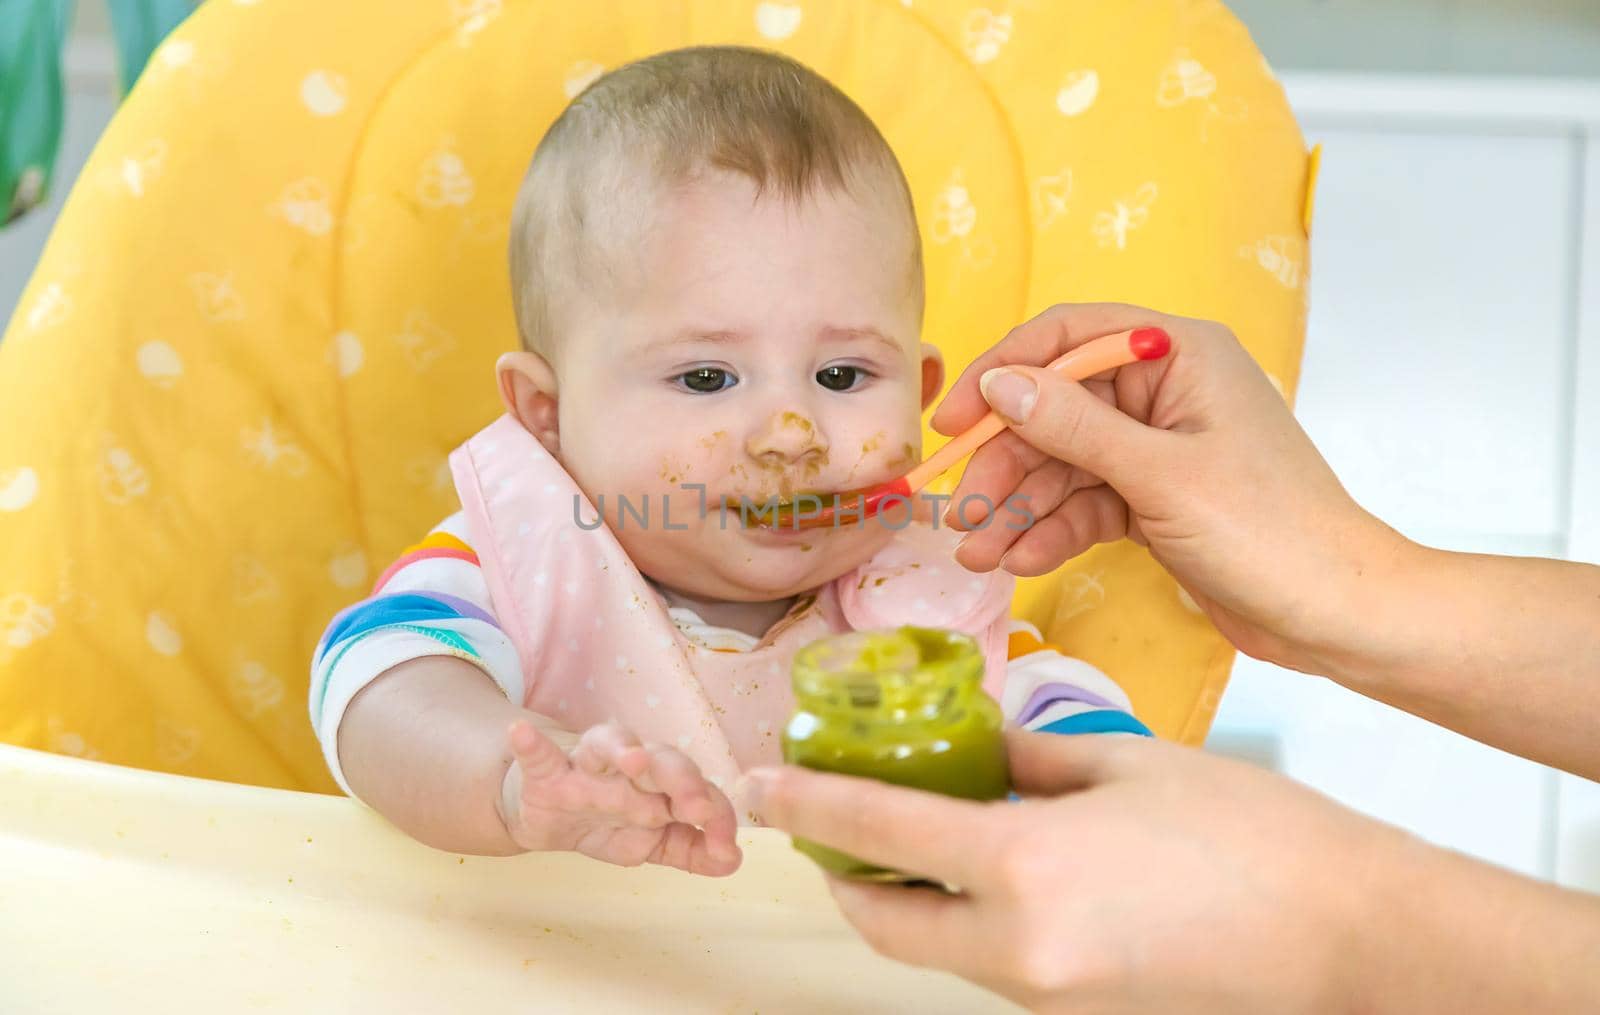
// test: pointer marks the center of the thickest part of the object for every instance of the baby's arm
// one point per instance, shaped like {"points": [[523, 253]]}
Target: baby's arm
{"points": [[414, 698], [1047, 691], [412, 693], [426, 745]]}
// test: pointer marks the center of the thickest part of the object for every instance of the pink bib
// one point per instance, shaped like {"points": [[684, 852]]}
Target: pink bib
{"points": [[595, 640]]}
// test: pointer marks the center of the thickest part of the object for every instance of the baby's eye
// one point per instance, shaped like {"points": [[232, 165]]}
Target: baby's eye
{"points": [[706, 380], [839, 378]]}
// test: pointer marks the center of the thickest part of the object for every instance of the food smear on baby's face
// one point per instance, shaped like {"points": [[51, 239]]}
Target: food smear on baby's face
{"points": [[868, 455], [675, 470]]}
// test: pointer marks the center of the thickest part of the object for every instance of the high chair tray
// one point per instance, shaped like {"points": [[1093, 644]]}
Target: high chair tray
{"points": [[157, 893]]}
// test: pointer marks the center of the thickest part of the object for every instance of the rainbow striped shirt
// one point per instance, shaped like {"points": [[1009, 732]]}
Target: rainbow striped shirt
{"points": [[434, 601]]}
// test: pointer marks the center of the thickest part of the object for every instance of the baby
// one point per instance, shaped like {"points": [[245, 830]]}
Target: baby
{"points": [[718, 280]]}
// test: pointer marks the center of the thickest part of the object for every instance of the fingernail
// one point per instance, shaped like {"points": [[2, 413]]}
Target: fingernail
{"points": [[752, 787], [1009, 393]]}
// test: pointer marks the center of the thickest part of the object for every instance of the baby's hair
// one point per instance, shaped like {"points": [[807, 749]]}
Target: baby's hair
{"points": [[660, 122]]}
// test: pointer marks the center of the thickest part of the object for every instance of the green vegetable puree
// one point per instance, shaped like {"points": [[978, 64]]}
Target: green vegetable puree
{"points": [[903, 706]]}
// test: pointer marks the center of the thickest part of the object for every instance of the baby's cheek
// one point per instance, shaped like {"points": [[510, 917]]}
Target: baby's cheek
{"points": [[624, 472], [674, 469], [697, 460]]}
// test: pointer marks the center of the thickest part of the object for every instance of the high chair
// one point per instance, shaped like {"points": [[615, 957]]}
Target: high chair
{"points": [[272, 306]]}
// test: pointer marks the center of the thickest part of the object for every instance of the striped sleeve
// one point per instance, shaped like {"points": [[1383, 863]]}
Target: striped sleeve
{"points": [[1048, 691], [432, 601]]}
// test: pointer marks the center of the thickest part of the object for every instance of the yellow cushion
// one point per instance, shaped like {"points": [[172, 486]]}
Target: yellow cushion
{"points": [[273, 303]]}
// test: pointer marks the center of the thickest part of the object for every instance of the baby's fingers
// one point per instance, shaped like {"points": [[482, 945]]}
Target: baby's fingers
{"points": [[695, 800], [601, 748], [721, 830], [698, 852], [536, 754], [672, 773]]}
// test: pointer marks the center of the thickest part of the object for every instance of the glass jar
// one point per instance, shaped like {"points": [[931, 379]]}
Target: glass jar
{"points": [[905, 706]]}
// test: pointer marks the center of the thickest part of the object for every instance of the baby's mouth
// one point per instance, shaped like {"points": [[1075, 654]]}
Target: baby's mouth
{"points": [[793, 511]]}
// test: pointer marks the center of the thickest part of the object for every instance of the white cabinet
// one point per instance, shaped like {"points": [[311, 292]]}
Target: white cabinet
{"points": [[1438, 357], [1451, 378]]}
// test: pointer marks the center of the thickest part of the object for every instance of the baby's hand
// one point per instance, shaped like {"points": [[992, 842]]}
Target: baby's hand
{"points": [[618, 801]]}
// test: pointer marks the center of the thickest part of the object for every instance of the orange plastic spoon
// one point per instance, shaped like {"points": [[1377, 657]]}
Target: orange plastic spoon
{"points": [[1097, 356]]}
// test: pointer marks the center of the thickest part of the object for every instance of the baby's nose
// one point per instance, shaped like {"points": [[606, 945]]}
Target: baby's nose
{"points": [[786, 437]]}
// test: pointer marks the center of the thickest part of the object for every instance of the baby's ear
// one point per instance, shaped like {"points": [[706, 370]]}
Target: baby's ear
{"points": [[932, 374], [528, 389]]}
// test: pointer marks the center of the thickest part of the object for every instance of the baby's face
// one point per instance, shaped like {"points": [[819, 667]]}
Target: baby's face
{"points": [[760, 348]]}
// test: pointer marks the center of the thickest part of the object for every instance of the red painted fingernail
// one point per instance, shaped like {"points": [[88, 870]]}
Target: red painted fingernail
{"points": [[1149, 343]]}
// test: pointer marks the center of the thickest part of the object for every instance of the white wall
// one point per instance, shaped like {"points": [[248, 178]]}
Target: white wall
{"points": [[1535, 37], [1452, 378]]}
